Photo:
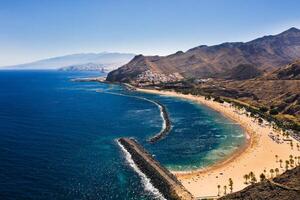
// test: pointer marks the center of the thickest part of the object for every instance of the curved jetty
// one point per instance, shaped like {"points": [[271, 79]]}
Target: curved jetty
{"points": [[160, 177], [166, 124]]}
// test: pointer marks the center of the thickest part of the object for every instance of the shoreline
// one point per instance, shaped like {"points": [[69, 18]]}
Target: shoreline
{"points": [[256, 155], [248, 142]]}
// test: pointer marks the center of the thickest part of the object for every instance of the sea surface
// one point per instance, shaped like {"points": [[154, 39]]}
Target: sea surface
{"points": [[58, 137]]}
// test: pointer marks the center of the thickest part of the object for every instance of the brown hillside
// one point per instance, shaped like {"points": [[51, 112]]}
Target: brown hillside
{"points": [[266, 53]]}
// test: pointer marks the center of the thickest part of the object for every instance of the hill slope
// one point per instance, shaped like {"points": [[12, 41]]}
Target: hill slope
{"points": [[284, 187], [289, 72], [266, 53], [242, 72]]}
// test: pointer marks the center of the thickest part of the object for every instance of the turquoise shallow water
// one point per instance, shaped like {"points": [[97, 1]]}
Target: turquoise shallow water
{"points": [[57, 137]]}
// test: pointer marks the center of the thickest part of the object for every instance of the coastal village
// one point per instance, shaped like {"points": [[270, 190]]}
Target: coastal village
{"points": [[152, 78]]}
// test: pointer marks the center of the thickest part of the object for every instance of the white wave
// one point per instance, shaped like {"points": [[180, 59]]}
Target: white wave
{"points": [[238, 136], [145, 180], [164, 124], [180, 130]]}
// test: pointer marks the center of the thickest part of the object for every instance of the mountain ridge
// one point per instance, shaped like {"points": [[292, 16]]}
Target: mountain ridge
{"points": [[264, 53]]}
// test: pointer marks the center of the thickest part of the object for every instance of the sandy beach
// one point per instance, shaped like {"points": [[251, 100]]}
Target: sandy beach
{"points": [[259, 155]]}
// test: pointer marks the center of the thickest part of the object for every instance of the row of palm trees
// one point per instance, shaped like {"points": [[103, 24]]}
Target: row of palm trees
{"points": [[292, 162], [292, 146], [250, 178], [230, 184]]}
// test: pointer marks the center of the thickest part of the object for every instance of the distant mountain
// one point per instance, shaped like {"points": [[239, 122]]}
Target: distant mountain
{"points": [[109, 61], [87, 67], [265, 54]]}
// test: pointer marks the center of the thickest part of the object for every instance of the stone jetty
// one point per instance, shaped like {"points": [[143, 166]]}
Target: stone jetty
{"points": [[160, 177]]}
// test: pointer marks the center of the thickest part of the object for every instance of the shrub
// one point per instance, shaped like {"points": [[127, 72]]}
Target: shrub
{"points": [[273, 112], [263, 109]]}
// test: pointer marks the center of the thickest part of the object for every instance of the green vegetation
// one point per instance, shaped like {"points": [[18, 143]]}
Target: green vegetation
{"points": [[263, 109], [273, 112], [283, 124], [262, 112]]}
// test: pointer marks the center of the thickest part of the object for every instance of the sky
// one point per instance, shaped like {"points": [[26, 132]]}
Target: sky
{"points": [[36, 29]]}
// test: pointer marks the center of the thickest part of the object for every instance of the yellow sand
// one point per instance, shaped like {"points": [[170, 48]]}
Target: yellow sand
{"points": [[257, 155]]}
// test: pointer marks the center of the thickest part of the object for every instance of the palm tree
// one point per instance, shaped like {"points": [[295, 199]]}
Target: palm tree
{"points": [[225, 188], [251, 174], [287, 135], [253, 179], [280, 161], [287, 164], [276, 156], [292, 163], [298, 147], [219, 186], [283, 134], [246, 177], [262, 177], [291, 145], [230, 185], [276, 171], [271, 171]]}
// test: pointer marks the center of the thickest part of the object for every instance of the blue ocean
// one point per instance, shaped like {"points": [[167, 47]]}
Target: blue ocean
{"points": [[58, 137]]}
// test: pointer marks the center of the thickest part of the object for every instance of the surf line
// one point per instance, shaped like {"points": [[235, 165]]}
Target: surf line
{"points": [[145, 180], [166, 123]]}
